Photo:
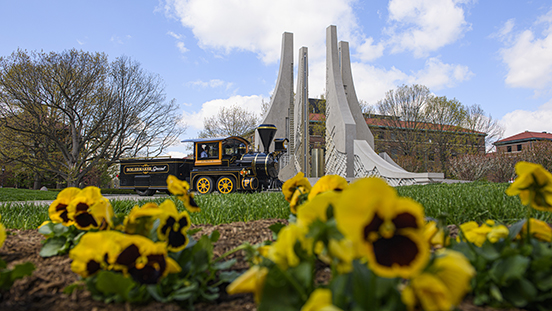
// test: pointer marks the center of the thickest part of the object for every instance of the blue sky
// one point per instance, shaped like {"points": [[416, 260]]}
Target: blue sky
{"points": [[211, 53]]}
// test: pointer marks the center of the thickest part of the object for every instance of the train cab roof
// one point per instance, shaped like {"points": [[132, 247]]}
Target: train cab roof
{"points": [[199, 140]]}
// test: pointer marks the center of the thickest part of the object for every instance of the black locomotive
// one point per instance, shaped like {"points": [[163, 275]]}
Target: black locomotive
{"points": [[222, 164]]}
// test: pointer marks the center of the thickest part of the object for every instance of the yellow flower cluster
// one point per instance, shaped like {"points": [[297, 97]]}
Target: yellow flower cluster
{"points": [[533, 185], [131, 251], [172, 228], [379, 228], [86, 209], [133, 255], [477, 234]]}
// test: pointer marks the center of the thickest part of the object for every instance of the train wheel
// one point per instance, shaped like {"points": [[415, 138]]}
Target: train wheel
{"points": [[204, 184], [226, 184]]}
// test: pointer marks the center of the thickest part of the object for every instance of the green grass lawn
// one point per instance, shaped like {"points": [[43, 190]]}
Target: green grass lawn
{"points": [[459, 202], [12, 194]]}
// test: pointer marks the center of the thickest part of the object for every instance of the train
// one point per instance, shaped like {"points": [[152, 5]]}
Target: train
{"points": [[225, 165]]}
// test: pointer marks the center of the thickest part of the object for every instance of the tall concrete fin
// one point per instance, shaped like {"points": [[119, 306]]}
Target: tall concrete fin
{"points": [[298, 152], [281, 106], [349, 142], [340, 123], [362, 130]]}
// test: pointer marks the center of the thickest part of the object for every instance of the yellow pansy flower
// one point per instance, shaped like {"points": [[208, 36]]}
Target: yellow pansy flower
{"points": [[385, 229], [93, 252], [144, 260], [533, 185], [442, 286], [434, 235], [320, 300], [328, 183], [252, 281], [181, 189], [89, 209], [282, 251], [58, 208], [289, 187], [316, 208], [538, 229], [477, 234], [140, 219], [173, 226], [343, 253]]}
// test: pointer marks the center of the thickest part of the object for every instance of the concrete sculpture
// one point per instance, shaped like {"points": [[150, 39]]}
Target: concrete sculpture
{"points": [[349, 142]]}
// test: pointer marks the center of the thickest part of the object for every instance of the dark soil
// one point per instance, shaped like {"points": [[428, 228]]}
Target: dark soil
{"points": [[44, 289]]}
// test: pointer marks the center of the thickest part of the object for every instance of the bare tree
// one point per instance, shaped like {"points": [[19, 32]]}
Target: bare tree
{"points": [[229, 121], [444, 117], [477, 120], [405, 106], [69, 111]]}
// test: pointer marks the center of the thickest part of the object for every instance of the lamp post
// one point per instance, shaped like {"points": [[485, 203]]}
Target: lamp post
{"points": [[3, 170]]}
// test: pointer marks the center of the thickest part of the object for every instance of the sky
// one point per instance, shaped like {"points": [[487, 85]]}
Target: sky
{"points": [[212, 53]]}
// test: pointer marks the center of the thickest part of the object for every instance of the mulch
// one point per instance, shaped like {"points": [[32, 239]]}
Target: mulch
{"points": [[44, 289]]}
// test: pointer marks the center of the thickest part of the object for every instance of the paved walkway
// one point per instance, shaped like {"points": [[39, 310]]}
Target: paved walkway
{"points": [[108, 196]]}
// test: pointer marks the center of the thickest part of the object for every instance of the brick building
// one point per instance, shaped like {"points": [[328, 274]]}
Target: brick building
{"points": [[522, 141]]}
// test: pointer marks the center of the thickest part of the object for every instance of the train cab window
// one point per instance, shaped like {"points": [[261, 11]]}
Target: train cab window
{"points": [[208, 151], [232, 148]]}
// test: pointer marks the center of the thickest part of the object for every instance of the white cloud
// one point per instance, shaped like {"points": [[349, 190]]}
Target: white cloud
{"points": [[174, 35], [437, 75], [195, 119], [213, 83], [181, 47], [423, 26], [257, 26], [523, 120], [529, 55], [368, 51], [371, 83]]}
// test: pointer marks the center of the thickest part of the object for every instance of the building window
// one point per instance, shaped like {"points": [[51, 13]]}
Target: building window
{"points": [[509, 149], [519, 147]]}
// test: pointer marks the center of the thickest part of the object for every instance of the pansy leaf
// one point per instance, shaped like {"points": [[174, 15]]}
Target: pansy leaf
{"points": [[223, 265], [508, 269], [515, 229], [363, 281], [341, 286], [302, 273], [53, 246], [279, 294], [488, 251], [114, 283], [7, 277], [215, 235], [156, 292], [3, 264], [46, 229], [275, 228], [228, 276], [520, 293]]}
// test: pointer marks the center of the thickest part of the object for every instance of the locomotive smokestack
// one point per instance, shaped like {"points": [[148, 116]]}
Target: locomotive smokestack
{"points": [[266, 132]]}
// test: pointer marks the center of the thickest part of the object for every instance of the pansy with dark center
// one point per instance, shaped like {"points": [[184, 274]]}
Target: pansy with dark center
{"points": [[145, 261], [385, 229], [173, 227], [89, 209], [58, 209]]}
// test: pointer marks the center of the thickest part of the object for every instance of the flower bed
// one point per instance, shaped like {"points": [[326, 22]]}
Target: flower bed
{"points": [[346, 247]]}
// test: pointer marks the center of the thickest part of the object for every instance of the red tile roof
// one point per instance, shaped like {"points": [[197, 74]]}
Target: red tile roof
{"points": [[525, 136]]}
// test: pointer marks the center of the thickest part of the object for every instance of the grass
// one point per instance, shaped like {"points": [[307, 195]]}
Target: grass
{"points": [[458, 202], [12, 194], [476, 201]]}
